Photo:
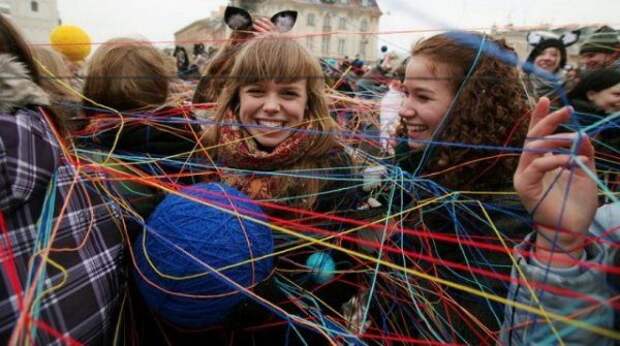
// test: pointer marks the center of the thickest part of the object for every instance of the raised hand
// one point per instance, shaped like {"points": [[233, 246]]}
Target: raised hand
{"points": [[264, 26], [559, 194]]}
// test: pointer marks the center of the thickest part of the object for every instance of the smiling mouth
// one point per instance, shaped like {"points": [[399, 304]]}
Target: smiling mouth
{"points": [[270, 124], [416, 128], [546, 65]]}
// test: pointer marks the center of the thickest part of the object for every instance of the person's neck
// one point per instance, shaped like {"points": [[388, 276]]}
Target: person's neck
{"points": [[263, 148]]}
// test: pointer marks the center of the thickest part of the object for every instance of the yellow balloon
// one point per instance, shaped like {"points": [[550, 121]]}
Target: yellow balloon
{"points": [[71, 41]]}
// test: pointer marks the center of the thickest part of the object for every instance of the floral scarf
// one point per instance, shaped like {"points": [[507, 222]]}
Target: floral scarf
{"points": [[238, 150]]}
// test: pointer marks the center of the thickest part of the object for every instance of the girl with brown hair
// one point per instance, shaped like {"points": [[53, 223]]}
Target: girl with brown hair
{"points": [[463, 115], [454, 98], [272, 116], [244, 28], [273, 139], [126, 102]]}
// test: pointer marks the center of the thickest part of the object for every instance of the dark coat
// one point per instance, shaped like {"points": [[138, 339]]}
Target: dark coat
{"points": [[83, 300], [459, 217], [165, 139]]}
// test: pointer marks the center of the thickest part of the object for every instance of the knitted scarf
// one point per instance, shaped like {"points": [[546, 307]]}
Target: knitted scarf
{"points": [[238, 150]]}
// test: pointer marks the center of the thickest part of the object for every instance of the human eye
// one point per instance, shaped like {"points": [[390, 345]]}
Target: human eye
{"points": [[254, 90], [423, 97], [290, 93]]}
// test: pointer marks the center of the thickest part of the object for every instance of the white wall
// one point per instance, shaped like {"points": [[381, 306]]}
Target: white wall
{"points": [[35, 25]]}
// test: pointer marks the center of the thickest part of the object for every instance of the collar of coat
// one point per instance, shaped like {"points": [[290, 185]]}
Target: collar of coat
{"points": [[17, 90]]}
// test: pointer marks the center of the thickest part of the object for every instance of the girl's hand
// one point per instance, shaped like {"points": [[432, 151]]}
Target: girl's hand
{"points": [[264, 26], [558, 193]]}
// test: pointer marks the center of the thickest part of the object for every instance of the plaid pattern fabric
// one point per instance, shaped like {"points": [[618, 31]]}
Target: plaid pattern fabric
{"points": [[81, 301]]}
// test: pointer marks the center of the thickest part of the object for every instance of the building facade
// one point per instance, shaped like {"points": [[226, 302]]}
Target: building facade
{"points": [[34, 18], [517, 38], [210, 31], [328, 28]]}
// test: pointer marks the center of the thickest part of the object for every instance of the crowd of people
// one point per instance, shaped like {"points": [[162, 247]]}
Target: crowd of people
{"points": [[463, 194]]}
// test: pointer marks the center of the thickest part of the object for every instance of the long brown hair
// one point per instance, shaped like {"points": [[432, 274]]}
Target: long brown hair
{"points": [[490, 110], [127, 74], [54, 70], [280, 58], [214, 75]]}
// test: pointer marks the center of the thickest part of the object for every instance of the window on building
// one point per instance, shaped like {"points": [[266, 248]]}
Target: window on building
{"points": [[342, 23], [344, 2], [310, 19], [325, 45], [363, 47], [327, 22], [364, 25], [34, 6], [342, 46], [310, 43], [365, 3]]}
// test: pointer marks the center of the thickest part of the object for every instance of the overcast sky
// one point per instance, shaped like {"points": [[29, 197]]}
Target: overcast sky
{"points": [[157, 20]]}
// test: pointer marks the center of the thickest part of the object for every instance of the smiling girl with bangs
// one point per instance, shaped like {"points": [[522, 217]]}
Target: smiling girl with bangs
{"points": [[273, 116], [274, 139]]}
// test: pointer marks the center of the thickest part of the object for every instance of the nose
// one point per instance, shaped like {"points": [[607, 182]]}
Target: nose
{"points": [[406, 110], [271, 105]]}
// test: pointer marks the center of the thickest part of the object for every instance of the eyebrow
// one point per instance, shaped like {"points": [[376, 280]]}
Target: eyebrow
{"points": [[290, 86], [422, 89]]}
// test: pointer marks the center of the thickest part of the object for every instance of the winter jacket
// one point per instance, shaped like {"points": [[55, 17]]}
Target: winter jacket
{"points": [[251, 322], [47, 204], [538, 86], [523, 328], [428, 309], [159, 144]]}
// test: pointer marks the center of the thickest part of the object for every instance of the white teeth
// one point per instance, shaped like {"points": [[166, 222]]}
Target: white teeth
{"points": [[417, 128], [267, 123]]}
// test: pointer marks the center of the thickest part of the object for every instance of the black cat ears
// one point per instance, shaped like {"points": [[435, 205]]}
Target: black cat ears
{"points": [[240, 19], [568, 38]]}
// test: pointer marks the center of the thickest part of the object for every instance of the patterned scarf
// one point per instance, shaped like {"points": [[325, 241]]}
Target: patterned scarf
{"points": [[238, 150]]}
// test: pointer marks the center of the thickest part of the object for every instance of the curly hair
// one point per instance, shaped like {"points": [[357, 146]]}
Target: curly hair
{"points": [[490, 110]]}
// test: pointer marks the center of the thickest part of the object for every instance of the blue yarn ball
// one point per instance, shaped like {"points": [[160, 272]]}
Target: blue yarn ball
{"points": [[201, 298], [322, 267]]}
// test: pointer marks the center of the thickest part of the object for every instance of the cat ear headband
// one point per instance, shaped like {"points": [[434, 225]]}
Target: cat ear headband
{"points": [[567, 38], [240, 19]]}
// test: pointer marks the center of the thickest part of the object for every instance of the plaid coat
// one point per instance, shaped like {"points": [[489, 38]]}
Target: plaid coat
{"points": [[46, 204]]}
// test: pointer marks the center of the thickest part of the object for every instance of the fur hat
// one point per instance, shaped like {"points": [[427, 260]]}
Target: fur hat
{"points": [[239, 19], [603, 40], [543, 40]]}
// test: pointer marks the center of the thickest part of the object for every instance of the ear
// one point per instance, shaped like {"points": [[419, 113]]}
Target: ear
{"points": [[570, 38], [534, 38], [590, 95], [285, 20], [237, 18]]}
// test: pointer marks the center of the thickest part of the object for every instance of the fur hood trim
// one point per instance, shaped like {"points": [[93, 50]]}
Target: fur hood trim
{"points": [[17, 90]]}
